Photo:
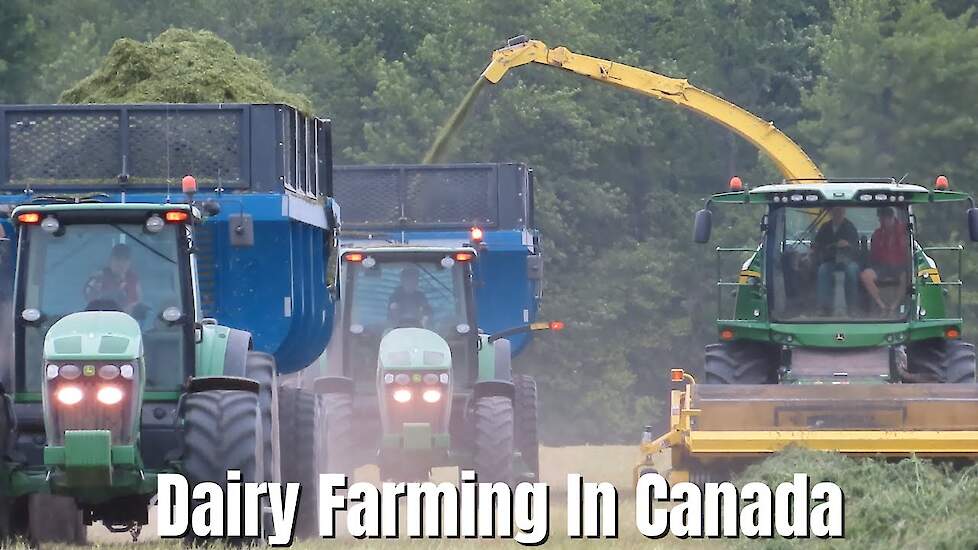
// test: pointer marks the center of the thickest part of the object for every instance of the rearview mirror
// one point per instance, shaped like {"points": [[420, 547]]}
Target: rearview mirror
{"points": [[702, 226], [973, 223]]}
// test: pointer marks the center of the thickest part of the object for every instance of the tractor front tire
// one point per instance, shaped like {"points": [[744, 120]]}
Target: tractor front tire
{"points": [[340, 458], [222, 431], [526, 437], [260, 367], [492, 425], [740, 363], [299, 426], [55, 519], [946, 361]]}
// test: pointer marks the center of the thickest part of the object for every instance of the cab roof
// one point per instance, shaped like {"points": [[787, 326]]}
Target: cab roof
{"points": [[867, 192], [107, 207]]}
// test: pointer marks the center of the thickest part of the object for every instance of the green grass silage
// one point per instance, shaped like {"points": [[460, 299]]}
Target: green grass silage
{"points": [[893, 505], [179, 66]]}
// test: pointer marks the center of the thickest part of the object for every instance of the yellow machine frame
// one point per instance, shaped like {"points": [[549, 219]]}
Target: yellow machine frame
{"points": [[790, 159]]}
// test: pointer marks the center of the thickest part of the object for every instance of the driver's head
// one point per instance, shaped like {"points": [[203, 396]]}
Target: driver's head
{"points": [[119, 259], [886, 216], [409, 278], [838, 214]]}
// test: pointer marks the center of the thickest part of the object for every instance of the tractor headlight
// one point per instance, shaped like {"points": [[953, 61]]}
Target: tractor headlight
{"points": [[402, 395], [431, 396], [109, 395], [91, 396], [69, 395]]}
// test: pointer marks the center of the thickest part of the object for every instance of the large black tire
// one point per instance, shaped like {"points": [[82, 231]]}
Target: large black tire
{"points": [[221, 432], [299, 425], [340, 451], [740, 363], [55, 519], [492, 426], [939, 360], [525, 412], [260, 367]]}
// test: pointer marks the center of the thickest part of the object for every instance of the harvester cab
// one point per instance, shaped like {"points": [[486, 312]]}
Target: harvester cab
{"points": [[839, 333], [118, 370], [433, 259]]}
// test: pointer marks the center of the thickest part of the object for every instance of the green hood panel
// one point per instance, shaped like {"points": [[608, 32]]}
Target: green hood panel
{"points": [[841, 335], [94, 335], [414, 348]]}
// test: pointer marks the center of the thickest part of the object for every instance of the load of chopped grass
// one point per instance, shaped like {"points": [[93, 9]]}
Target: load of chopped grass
{"points": [[911, 503], [180, 66]]}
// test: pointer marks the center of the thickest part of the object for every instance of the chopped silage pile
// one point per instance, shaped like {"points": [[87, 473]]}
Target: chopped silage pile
{"points": [[179, 66], [912, 503]]}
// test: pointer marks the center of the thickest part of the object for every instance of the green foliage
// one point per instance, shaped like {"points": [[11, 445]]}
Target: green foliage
{"points": [[870, 87], [912, 503], [179, 66]]}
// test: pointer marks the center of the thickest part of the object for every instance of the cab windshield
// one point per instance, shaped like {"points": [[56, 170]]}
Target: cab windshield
{"points": [[842, 263], [382, 295], [105, 267]]}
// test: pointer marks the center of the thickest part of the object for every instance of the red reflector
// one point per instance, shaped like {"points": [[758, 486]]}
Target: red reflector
{"points": [[176, 216], [941, 183], [952, 333], [556, 325], [726, 334], [354, 257], [463, 256], [676, 375], [29, 217], [476, 234]]}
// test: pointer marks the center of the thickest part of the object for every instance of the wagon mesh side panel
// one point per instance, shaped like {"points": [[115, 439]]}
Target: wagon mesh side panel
{"points": [[171, 144], [65, 147]]}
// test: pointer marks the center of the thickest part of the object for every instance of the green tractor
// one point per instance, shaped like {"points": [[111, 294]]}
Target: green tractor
{"points": [[115, 378], [412, 383], [839, 334]]}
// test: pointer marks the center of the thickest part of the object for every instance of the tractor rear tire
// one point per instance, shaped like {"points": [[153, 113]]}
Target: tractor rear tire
{"points": [[945, 361], [55, 519], [526, 437], [492, 424], [299, 426], [740, 363], [260, 367], [340, 458], [222, 430]]}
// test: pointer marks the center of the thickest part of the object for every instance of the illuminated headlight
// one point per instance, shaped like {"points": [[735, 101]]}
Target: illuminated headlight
{"points": [[388, 378], [881, 197], [402, 395], [126, 371], [431, 396], [69, 395], [443, 378], [108, 372], [796, 198], [52, 371], [109, 395]]}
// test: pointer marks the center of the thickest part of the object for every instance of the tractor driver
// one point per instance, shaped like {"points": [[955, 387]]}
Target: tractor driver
{"points": [[835, 250], [408, 304], [115, 286]]}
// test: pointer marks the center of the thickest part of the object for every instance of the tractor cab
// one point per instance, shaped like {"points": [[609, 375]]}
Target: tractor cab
{"points": [[391, 288], [840, 270], [104, 310]]}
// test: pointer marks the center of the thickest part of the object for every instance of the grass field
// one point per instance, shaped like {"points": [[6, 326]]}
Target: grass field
{"points": [[597, 463]]}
